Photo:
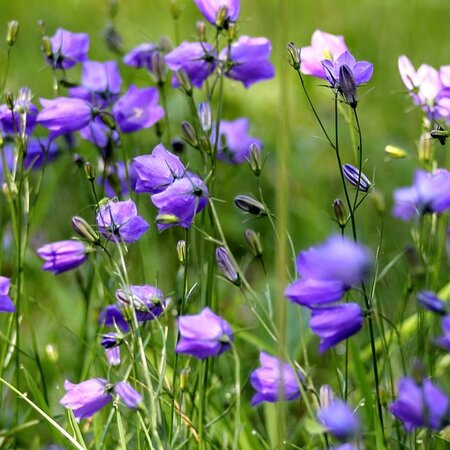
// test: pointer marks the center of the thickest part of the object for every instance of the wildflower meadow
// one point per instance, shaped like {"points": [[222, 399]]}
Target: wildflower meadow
{"points": [[224, 224]]}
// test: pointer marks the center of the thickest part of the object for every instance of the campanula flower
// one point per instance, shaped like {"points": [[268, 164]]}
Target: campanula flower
{"points": [[429, 300], [137, 109], [310, 292], [274, 380], [323, 46], [112, 316], [148, 301], [421, 405], [203, 335], [6, 304], [248, 60], [111, 343], [339, 420], [23, 112], [68, 49], [120, 221], [235, 141], [197, 59], [333, 324], [430, 193], [99, 134], [90, 396], [116, 182], [226, 266], [184, 198], [141, 56], [62, 256], [444, 341], [210, 9], [101, 77], [157, 171]]}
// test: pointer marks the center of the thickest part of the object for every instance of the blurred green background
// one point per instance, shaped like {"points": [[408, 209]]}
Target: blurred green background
{"points": [[378, 31]]}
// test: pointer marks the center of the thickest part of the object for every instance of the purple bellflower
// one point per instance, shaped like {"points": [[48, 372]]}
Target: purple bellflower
{"points": [[23, 112], [157, 171], [429, 300], [101, 77], [64, 115], [234, 141], [249, 60], [203, 335], [430, 193], [323, 46], [120, 221], [90, 396], [62, 256], [99, 134], [141, 56], [68, 49], [421, 406], [184, 198], [210, 9], [138, 109], [112, 316], [116, 180], [6, 304], [197, 59], [111, 343], [444, 341], [274, 381], [333, 324], [339, 420]]}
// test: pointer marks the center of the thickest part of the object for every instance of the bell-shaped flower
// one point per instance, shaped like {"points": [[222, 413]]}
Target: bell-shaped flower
{"points": [[430, 301], [23, 113], [62, 256], [444, 340], [211, 8], [101, 77], [120, 221], [6, 304], [248, 61], [68, 49], [339, 420], [203, 335], [137, 109], [311, 292], [141, 56], [274, 380]]}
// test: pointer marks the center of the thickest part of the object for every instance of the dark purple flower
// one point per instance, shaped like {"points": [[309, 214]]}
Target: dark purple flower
{"points": [[62, 256], [184, 198], [323, 46], [444, 341], [63, 115], [311, 292], [141, 56], [429, 300], [24, 111], [339, 420], [101, 77], [362, 70], [338, 259], [112, 316], [356, 178], [234, 140], [210, 8], [197, 59], [138, 109], [249, 60], [421, 406], [120, 221], [68, 48], [128, 395], [333, 324], [111, 343], [148, 301], [203, 335], [274, 380], [430, 193], [157, 171], [6, 304]]}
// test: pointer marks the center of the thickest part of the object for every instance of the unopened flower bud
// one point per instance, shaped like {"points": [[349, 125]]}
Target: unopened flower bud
{"points": [[89, 171], [255, 159], [12, 32], [113, 39], [347, 86], [184, 376], [340, 213], [52, 353], [177, 145], [201, 30], [395, 152], [253, 242], [159, 67], [84, 230], [378, 201], [181, 252], [184, 81], [250, 205], [425, 147], [175, 9], [294, 55], [9, 100], [189, 134], [205, 145], [356, 178], [227, 266], [47, 47], [326, 395], [165, 45], [41, 25], [205, 115], [167, 219], [108, 120], [221, 17], [231, 32]]}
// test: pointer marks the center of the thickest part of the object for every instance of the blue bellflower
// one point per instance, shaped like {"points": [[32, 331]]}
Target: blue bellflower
{"points": [[6, 304], [68, 49], [339, 420], [62, 256], [211, 8]]}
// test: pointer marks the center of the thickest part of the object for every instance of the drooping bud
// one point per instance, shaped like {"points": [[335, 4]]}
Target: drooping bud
{"points": [[113, 39], [184, 81], [9, 100], [167, 219], [11, 32], [356, 178], [395, 152], [253, 242], [159, 67], [181, 252], [189, 134], [255, 159], [227, 266], [205, 116], [326, 396], [250, 205], [294, 56], [89, 171], [347, 86], [201, 30], [430, 301], [340, 213], [221, 18], [84, 230]]}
